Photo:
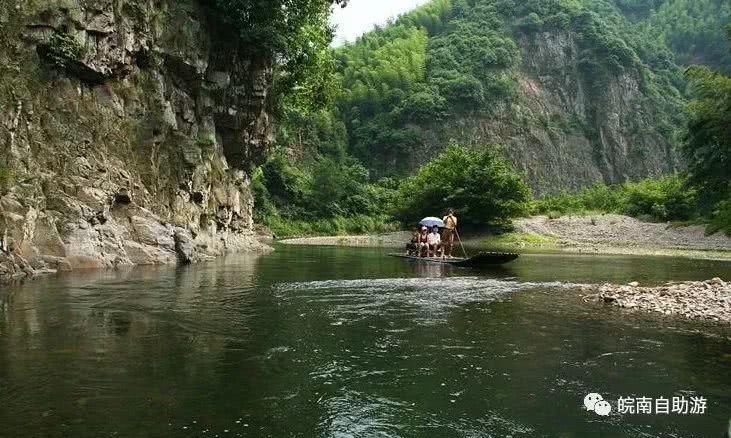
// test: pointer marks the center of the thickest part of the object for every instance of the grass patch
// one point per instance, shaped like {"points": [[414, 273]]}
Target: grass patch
{"points": [[336, 226]]}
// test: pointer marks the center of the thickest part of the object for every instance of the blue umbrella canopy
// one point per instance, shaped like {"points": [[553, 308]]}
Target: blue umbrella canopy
{"points": [[431, 222]]}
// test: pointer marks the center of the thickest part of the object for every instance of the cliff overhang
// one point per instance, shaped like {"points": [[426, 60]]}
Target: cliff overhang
{"points": [[129, 132]]}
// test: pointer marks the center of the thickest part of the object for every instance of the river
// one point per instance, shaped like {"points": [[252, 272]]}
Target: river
{"points": [[344, 342]]}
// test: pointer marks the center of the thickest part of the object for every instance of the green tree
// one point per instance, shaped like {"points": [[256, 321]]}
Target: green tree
{"points": [[292, 34], [463, 92], [282, 186], [423, 106], [481, 185], [707, 144], [694, 30], [452, 60], [340, 189]]}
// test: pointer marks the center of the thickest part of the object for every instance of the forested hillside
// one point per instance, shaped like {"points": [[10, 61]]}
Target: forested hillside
{"points": [[544, 79], [572, 92], [691, 28]]}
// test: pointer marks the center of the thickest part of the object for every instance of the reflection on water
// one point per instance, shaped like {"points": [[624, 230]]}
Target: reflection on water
{"points": [[347, 342]]}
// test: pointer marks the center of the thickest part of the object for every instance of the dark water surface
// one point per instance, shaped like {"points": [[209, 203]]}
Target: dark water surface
{"points": [[325, 342]]}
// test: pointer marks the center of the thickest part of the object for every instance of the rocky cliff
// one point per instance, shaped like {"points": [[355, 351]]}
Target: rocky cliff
{"points": [[574, 92], [570, 128], [127, 135]]}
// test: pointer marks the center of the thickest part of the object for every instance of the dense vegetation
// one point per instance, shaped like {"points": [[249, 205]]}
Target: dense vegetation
{"points": [[662, 199], [452, 60], [707, 144], [295, 34], [328, 196], [691, 28], [479, 184], [345, 167]]}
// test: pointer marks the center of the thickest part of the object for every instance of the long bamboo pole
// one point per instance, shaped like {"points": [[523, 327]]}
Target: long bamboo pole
{"points": [[460, 243]]}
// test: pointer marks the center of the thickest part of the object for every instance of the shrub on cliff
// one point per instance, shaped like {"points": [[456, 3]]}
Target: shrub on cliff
{"points": [[479, 184], [294, 35], [6, 178]]}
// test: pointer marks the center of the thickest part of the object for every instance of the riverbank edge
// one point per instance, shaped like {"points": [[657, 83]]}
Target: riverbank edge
{"points": [[369, 242], [385, 241], [14, 269], [595, 235]]}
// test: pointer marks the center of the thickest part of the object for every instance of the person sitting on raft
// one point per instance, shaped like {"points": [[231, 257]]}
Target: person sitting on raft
{"points": [[423, 243], [434, 241], [412, 248]]}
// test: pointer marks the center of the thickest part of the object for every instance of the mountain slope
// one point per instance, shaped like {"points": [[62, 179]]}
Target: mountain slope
{"points": [[573, 90], [693, 29]]}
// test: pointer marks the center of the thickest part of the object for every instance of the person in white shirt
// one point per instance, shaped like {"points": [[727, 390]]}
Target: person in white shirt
{"points": [[435, 242]]}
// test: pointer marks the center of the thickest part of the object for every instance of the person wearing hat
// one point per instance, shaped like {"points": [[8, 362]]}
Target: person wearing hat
{"points": [[450, 227], [423, 243]]}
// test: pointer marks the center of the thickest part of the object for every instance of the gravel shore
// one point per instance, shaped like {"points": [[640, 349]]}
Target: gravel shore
{"points": [[701, 300], [599, 232]]}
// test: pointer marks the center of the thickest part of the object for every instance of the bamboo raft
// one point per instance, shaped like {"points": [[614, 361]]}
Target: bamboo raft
{"points": [[480, 260]]}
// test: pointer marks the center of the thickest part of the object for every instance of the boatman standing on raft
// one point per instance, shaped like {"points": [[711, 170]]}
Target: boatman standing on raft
{"points": [[450, 226]]}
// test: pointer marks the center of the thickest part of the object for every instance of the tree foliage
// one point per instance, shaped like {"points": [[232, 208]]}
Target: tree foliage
{"points": [[275, 27], [707, 144], [691, 28], [480, 185], [326, 188], [661, 199], [451, 60], [694, 30], [295, 35]]}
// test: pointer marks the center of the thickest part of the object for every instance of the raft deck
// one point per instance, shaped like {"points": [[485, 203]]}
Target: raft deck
{"points": [[481, 259]]}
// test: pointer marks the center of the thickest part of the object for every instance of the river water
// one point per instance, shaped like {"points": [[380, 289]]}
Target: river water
{"points": [[344, 342]]}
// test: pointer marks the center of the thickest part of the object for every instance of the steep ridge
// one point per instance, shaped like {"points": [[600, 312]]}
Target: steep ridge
{"points": [[565, 131], [573, 91], [128, 132]]}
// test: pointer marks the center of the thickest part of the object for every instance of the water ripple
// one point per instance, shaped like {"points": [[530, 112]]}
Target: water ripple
{"points": [[425, 299]]}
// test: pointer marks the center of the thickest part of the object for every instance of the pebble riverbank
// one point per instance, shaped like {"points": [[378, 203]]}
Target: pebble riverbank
{"points": [[708, 300], [618, 234]]}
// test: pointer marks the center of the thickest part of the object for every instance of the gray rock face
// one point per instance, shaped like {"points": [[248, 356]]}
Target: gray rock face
{"points": [[565, 131], [128, 133], [14, 267]]}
